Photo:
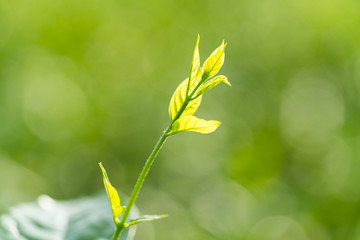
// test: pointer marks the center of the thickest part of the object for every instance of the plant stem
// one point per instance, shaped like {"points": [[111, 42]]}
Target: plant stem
{"points": [[117, 232], [142, 176], [122, 224], [140, 181]]}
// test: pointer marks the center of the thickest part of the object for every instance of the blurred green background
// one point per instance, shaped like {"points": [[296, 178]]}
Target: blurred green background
{"points": [[89, 81]]}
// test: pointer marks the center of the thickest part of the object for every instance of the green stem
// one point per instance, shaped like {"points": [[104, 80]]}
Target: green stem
{"points": [[142, 176], [117, 232], [122, 224], [140, 181]]}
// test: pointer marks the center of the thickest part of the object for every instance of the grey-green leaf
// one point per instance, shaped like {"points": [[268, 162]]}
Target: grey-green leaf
{"points": [[146, 218], [80, 219]]}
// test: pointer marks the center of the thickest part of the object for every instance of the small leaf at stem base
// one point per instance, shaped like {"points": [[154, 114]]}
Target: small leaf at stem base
{"points": [[116, 207], [146, 218]]}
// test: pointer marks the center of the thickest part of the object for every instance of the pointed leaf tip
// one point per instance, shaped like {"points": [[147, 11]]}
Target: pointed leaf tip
{"points": [[194, 77], [213, 63], [115, 204]]}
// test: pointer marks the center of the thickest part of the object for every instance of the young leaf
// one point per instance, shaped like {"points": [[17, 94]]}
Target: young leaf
{"points": [[195, 80], [213, 64], [146, 218], [116, 207], [194, 124], [212, 83], [195, 65], [178, 99]]}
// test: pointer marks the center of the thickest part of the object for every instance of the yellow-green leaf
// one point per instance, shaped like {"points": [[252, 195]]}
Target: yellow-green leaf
{"points": [[179, 98], [195, 80], [195, 65], [194, 124], [146, 218], [212, 83], [116, 207], [213, 64]]}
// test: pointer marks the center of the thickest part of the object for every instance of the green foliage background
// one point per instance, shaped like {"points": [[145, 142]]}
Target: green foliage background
{"points": [[89, 81]]}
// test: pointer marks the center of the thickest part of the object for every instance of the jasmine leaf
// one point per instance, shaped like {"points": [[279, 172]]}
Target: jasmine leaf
{"points": [[195, 80], [116, 207], [195, 73], [146, 218], [213, 64], [179, 98], [211, 83], [194, 124]]}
